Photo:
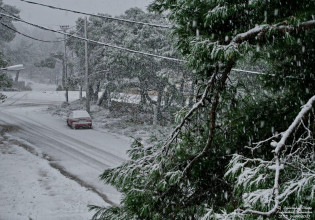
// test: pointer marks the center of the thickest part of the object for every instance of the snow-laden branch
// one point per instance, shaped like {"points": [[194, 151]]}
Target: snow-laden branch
{"points": [[257, 174], [180, 175], [196, 106], [278, 167], [258, 144], [306, 108], [214, 106], [260, 31]]}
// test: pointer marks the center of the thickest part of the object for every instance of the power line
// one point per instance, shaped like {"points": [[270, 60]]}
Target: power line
{"points": [[98, 16], [8, 12], [121, 48], [12, 29], [33, 38], [113, 46], [95, 42]]}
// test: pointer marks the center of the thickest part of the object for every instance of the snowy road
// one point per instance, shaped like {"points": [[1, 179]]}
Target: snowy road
{"points": [[80, 154]]}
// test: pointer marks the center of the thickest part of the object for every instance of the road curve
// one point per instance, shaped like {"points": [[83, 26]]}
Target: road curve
{"points": [[79, 154]]}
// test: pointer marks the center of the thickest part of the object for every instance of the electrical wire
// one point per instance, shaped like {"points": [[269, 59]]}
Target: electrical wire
{"points": [[113, 46], [117, 47], [33, 38], [25, 35], [98, 16], [93, 41], [129, 50], [8, 12]]}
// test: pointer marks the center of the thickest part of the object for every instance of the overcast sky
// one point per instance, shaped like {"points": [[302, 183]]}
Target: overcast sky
{"points": [[52, 18]]}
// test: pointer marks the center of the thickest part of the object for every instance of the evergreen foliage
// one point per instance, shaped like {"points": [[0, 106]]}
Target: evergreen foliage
{"points": [[210, 162], [5, 36], [131, 72], [48, 63]]}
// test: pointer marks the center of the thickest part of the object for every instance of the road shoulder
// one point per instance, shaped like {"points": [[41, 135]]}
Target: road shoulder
{"points": [[30, 187]]}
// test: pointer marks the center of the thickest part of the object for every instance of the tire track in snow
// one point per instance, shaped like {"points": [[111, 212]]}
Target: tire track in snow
{"points": [[90, 148], [61, 169], [86, 150], [14, 101], [85, 154]]}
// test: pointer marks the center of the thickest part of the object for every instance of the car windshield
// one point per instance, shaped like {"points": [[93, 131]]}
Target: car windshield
{"points": [[81, 114]]}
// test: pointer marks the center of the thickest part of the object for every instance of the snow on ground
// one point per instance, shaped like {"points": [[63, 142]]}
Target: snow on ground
{"points": [[35, 185], [80, 155], [31, 189], [121, 124], [135, 125], [83, 153]]}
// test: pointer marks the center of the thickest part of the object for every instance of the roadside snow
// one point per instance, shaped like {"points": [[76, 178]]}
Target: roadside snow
{"points": [[30, 186], [31, 189], [126, 125]]}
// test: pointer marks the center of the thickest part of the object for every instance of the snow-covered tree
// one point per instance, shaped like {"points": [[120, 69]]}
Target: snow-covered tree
{"points": [[131, 71], [5, 36], [185, 176]]}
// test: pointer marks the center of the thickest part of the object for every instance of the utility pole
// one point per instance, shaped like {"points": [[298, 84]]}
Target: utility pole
{"points": [[64, 28], [86, 68]]}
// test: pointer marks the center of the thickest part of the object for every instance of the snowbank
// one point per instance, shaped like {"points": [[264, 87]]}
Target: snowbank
{"points": [[31, 189]]}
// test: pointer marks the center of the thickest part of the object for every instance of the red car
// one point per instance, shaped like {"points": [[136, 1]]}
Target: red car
{"points": [[79, 118]]}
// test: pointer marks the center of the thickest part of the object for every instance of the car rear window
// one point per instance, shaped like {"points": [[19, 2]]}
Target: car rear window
{"points": [[81, 114]]}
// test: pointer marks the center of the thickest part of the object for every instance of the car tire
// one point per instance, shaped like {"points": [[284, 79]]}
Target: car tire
{"points": [[73, 126]]}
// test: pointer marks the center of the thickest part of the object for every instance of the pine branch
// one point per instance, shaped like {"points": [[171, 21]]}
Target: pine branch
{"points": [[212, 120], [280, 145], [196, 106], [260, 31]]}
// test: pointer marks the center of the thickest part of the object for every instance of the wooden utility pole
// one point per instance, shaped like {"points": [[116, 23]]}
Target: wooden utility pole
{"points": [[66, 70], [64, 28], [86, 68]]}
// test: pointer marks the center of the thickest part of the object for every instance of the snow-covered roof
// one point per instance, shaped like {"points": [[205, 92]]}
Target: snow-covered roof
{"points": [[81, 114]]}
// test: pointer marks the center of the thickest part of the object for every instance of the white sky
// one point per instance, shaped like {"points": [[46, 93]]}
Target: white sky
{"points": [[52, 18]]}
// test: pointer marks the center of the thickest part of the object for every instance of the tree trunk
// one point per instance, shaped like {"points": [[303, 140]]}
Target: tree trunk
{"points": [[103, 97], [192, 92], [17, 76], [91, 93], [169, 97], [97, 89], [109, 101], [155, 115], [181, 91], [80, 93], [143, 98], [158, 107]]}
